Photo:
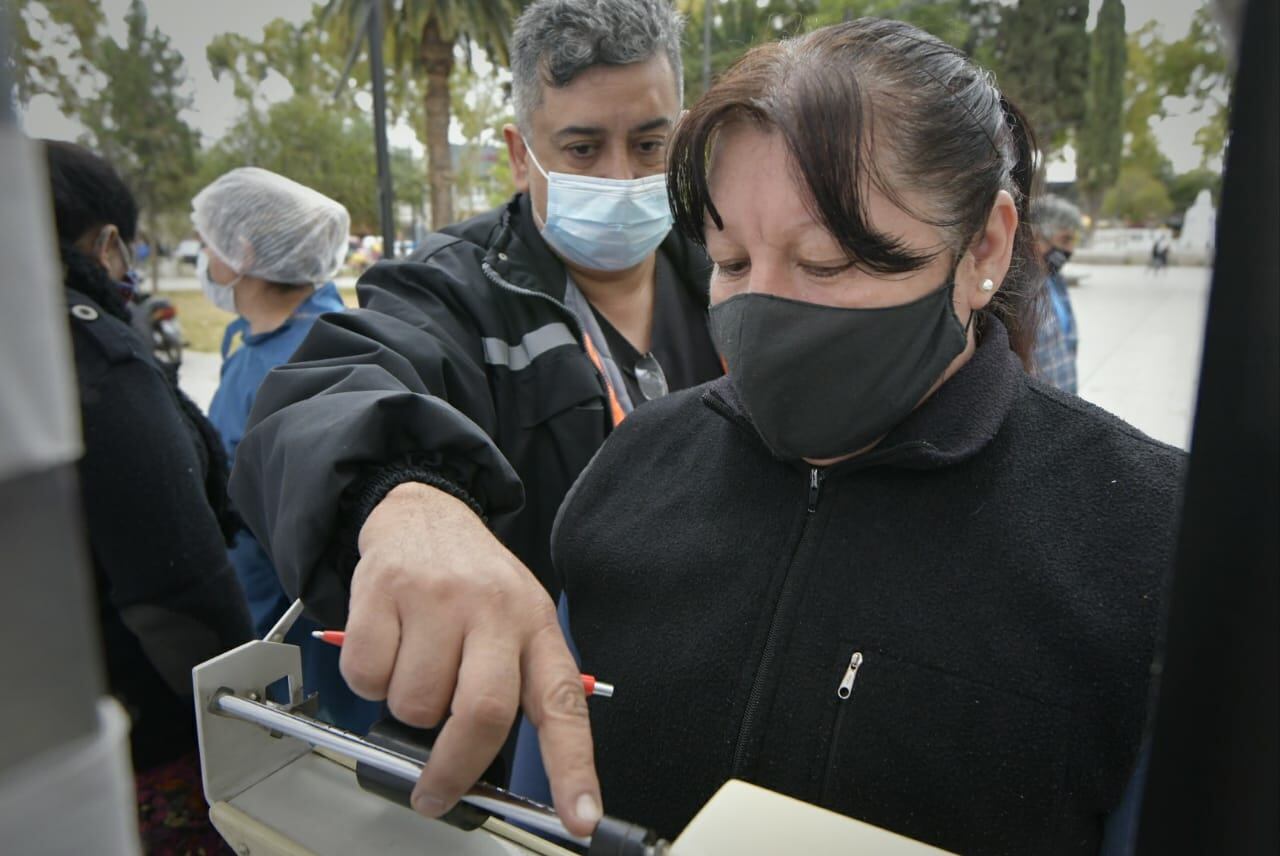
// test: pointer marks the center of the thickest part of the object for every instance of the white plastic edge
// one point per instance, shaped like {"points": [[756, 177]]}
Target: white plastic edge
{"points": [[39, 410], [77, 798]]}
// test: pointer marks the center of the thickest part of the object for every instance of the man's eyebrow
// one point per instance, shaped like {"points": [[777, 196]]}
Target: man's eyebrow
{"points": [[578, 131], [594, 131], [652, 125]]}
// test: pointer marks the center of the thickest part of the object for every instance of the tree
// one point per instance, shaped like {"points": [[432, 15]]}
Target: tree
{"points": [[736, 26], [52, 41], [1137, 198], [482, 105], [1194, 68], [311, 137], [1183, 189], [1101, 134], [422, 36], [306, 140], [311, 58], [1041, 57], [740, 24], [306, 54], [134, 121]]}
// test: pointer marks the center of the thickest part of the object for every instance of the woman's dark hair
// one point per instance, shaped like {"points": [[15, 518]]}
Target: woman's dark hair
{"points": [[874, 103], [87, 193]]}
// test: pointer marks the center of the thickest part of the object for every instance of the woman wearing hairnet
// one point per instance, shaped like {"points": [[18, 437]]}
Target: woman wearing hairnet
{"points": [[271, 246]]}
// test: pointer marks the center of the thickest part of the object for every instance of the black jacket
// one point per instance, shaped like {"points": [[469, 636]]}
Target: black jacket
{"points": [[995, 563], [149, 481], [462, 369]]}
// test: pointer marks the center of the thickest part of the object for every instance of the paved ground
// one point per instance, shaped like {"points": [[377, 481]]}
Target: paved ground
{"points": [[1140, 339], [199, 376]]}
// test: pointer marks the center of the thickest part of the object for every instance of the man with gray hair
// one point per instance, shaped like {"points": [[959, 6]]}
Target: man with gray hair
{"points": [[405, 468], [1056, 223]]}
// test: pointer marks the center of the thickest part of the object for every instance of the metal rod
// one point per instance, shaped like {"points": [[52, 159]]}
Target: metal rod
{"points": [[286, 622], [484, 796], [379, 82]]}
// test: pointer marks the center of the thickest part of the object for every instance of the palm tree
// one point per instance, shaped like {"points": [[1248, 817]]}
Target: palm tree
{"points": [[421, 36]]}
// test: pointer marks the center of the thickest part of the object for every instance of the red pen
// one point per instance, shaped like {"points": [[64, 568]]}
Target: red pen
{"points": [[590, 685]]}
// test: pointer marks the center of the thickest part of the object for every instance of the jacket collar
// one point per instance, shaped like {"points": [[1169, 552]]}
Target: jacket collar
{"points": [[953, 425], [519, 255], [324, 299]]}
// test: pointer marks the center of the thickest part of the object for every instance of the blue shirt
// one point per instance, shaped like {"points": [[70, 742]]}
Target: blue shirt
{"points": [[246, 359], [1057, 340]]}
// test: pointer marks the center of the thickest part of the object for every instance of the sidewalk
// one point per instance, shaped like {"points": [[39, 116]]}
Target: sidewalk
{"points": [[1140, 342]]}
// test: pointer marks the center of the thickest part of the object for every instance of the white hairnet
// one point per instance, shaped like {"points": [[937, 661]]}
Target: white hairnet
{"points": [[268, 226]]}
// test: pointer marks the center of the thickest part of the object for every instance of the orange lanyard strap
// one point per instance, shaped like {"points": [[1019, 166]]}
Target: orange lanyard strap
{"points": [[615, 409]]}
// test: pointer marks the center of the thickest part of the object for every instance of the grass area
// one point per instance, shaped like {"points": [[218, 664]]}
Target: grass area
{"points": [[203, 323]]}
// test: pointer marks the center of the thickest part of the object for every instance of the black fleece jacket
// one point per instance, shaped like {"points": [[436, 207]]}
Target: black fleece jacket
{"points": [[152, 482], [985, 584]]}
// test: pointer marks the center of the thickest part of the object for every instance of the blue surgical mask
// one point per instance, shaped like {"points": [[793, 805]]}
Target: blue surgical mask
{"points": [[604, 223]]}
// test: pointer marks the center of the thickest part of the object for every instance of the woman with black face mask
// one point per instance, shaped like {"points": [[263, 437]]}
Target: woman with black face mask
{"points": [[878, 567], [153, 484]]}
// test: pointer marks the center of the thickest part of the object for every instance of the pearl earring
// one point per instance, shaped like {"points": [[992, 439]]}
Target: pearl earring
{"points": [[988, 285]]}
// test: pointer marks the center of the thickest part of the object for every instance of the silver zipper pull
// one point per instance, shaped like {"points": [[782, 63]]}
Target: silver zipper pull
{"points": [[850, 675], [815, 485]]}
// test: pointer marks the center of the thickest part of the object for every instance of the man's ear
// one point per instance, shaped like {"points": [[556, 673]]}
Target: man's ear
{"points": [[517, 156]]}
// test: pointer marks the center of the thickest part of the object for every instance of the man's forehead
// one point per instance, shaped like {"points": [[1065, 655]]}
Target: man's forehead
{"points": [[604, 99]]}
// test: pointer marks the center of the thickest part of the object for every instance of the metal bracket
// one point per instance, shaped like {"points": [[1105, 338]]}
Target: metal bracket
{"points": [[235, 755]]}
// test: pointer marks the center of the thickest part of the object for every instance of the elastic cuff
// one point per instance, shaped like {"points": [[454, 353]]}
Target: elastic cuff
{"points": [[382, 482]]}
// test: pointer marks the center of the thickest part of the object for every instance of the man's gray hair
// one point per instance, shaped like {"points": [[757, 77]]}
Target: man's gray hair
{"points": [[556, 40], [1051, 214]]}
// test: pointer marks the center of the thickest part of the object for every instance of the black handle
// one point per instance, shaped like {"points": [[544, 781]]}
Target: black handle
{"points": [[615, 837], [394, 735]]}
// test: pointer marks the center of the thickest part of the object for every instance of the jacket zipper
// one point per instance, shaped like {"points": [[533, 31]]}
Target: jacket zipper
{"points": [[496, 278], [567, 314], [815, 485], [850, 675], [771, 639], [843, 691]]}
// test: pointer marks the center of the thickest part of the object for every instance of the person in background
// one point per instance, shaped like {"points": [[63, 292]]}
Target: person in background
{"points": [[1159, 254], [410, 459], [1056, 223], [153, 483], [271, 247]]}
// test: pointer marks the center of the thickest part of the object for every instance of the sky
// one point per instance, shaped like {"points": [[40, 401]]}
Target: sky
{"points": [[192, 24]]}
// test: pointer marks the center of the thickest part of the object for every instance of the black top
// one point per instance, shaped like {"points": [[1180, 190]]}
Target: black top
{"points": [[462, 369], [995, 565], [168, 599], [680, 341]]}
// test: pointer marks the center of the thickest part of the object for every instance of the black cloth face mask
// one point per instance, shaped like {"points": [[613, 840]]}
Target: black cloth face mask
{"points": [[823, 381]]}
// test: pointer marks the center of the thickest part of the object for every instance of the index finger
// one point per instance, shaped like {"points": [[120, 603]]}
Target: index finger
{"points": [[557, 707]]}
